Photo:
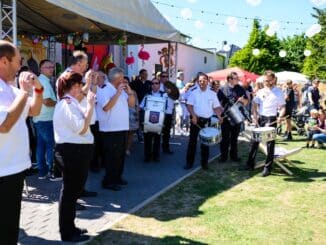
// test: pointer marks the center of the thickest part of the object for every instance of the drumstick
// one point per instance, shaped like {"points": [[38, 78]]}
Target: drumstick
{"points": [[276, 120]]}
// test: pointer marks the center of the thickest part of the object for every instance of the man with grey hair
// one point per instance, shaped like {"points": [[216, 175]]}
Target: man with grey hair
{"points": [[114, 99]]}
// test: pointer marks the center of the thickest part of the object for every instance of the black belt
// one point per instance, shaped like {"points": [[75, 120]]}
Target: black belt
{"points": [[267, 118]]}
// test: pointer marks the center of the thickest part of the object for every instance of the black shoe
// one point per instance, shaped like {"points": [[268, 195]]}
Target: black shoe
{"points": [[80, 231], [122, 182], [75, 238], [113, 187], [187, 166], [80, 207], [265, 172], [222, 159], [168, 152], [86, 193], [146, 159], [236, 159]]}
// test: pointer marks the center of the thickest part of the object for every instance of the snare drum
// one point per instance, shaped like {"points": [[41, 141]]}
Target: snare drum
{"points": [[234, 114], [154, 114], [210, 136], [264, 134]]}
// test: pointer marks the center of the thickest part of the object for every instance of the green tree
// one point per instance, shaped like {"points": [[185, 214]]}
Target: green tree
{"points": [[268, 57], [315, 64], [294, 47]]}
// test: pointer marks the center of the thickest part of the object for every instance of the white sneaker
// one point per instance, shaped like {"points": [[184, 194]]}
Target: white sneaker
{"points": [[127, 152]]}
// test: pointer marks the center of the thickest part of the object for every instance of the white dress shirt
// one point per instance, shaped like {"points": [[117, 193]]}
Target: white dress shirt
{"points": [[203, 102], [69, 121], [14, 145], [117, 118], [269, 101]]}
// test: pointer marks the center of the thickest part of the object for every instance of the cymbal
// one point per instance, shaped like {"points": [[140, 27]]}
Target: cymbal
{"points": [[174, 91]]}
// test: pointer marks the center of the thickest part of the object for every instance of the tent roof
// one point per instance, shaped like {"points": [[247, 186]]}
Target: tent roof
{"points": [[242, 74], [105, 20]]}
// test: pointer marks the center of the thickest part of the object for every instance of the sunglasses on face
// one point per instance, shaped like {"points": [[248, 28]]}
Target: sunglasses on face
{"points": [[155, 83], [164, 76]]}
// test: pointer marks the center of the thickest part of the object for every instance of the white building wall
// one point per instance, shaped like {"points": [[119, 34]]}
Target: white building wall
{"points": [[187, 58]]}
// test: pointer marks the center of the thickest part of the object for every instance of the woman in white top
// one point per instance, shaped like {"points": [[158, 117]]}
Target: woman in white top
{"points": [[73, 151]]}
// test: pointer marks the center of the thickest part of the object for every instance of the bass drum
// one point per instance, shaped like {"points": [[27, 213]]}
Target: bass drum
{"points": [[154, 114]]}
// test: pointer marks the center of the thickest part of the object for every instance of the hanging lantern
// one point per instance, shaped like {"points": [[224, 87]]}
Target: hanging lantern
{"points": [[130, 59], [143, 55]]}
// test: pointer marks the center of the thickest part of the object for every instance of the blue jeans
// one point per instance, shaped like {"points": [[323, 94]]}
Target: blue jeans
{"points": [[320, 138], [45, 146]]}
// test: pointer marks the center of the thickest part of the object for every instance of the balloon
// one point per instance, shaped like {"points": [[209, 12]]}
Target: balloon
{"points": [[307, 52], [282, 53], [255, 51]]}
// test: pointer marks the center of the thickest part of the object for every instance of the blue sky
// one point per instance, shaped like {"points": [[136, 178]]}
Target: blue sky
{"points": [[210, 22]]}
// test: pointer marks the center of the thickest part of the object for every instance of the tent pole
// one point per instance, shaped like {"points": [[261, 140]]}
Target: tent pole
{"points": [[14, 22]]}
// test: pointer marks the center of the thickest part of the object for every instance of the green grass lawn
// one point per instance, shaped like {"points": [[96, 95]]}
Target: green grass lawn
{"points": [[228, 206]]}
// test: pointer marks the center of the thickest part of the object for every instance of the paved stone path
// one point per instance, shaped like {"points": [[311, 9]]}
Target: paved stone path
{"points": [[39, 214]]}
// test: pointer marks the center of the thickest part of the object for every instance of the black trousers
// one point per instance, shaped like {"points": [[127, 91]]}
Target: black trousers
{"points": [[96, 162], [191, 151], [152, 145], [270, 146], [114, 151], [166, 132], [11, 188], [74, 160], [229, 140]]}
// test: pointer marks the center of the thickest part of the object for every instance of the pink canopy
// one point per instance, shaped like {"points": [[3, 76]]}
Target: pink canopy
{"points": [[243, 74]]}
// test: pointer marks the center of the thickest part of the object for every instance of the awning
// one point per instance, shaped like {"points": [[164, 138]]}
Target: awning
{"points": [[105, 20], [242, 74]]}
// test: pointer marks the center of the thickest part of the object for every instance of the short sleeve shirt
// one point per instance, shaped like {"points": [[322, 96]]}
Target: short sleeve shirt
{"points": [[203, 102], [14, 145], [117, 118]]}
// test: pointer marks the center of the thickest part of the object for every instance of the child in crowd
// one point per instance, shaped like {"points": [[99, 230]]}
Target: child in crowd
{"points": [[312, 123]]}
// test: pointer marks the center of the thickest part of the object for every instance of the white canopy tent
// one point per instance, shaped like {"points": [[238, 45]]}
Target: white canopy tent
{"points": [[286, 75], [105, 20]]}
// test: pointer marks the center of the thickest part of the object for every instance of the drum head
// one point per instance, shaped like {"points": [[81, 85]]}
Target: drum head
{"points": [[209, 132]]}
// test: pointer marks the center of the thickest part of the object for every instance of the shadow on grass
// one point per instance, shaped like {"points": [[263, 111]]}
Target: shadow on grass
{"points": [[116, 236], [305, 175], [186, 198]]}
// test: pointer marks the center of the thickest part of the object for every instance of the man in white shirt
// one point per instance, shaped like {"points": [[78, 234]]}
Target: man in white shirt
{"points": [[202, 103], [265, 106], [44, 123], [114, 99], [15, 106]]}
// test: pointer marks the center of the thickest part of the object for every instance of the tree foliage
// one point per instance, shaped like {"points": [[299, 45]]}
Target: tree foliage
{"points": [[268, 57], [294, 47], [315, 64]]}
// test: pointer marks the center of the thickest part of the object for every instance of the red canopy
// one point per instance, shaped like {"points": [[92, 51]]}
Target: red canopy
{"points": [[243, 74]]}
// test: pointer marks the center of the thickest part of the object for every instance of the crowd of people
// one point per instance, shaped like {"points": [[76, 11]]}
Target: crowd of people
{"points": [[89, 118]]}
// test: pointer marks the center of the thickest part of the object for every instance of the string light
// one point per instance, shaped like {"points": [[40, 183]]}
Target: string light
{"points": [[227, 15]]}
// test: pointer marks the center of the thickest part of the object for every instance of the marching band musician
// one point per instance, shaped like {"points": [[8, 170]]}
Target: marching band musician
{"points": [[202, 103], [152, 140], [229, 94], [265, 105], [74, 149]]}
